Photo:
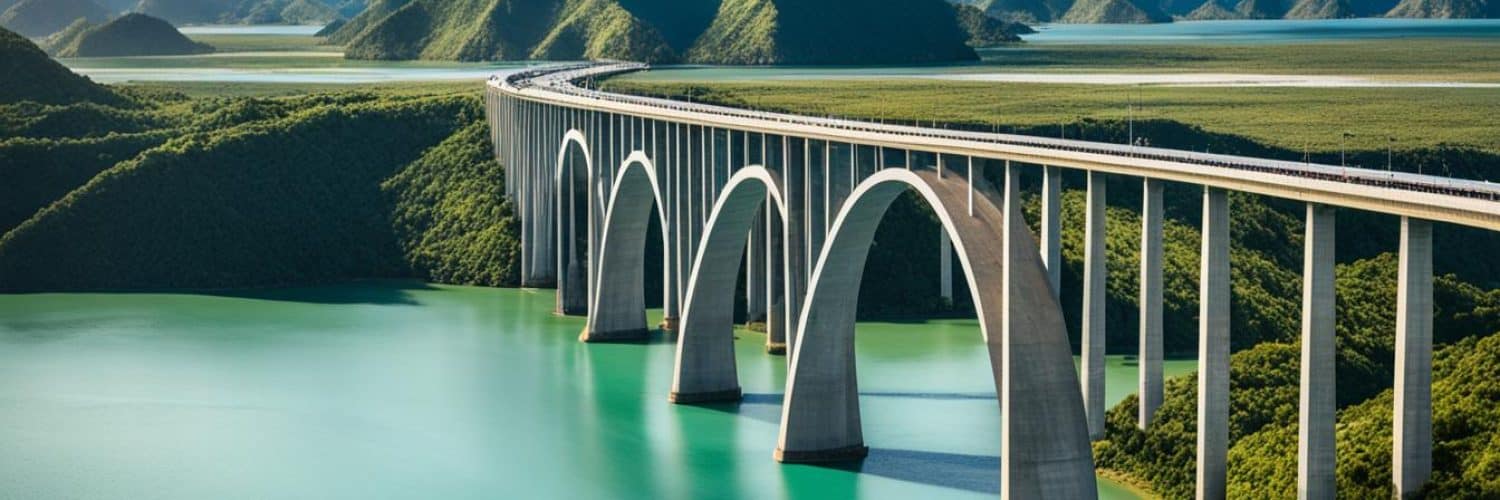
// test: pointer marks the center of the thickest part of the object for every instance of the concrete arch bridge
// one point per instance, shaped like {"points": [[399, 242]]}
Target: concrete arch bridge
{"points": [[796, 201]]}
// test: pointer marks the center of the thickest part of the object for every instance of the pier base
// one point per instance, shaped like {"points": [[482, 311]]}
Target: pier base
{"points": [[848, 454], [728, 396]]}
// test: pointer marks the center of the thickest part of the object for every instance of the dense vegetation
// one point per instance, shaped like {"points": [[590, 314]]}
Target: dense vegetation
{"points": [[735, 32], [39, 18], [27, 74], [130, 35]]}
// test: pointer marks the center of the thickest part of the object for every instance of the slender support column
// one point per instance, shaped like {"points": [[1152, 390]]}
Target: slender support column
{"points": [[1052, 226], [672, 302], [1150, 302], [1095, 273], [794, 166], [1213, 347], [755, 271], [1315, 430], [945, 266], [1413, 407], [776, 327]]}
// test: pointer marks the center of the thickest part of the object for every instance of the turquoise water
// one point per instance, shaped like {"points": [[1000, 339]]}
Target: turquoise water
{"points": [[391, 390]]}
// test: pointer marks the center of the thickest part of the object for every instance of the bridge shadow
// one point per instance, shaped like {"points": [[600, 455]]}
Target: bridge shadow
{"points": [[976, 473], [380, 292]]}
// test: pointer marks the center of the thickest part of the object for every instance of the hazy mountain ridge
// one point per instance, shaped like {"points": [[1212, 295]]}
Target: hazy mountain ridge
{"points": [[129, 35], [737, 32], [39, 18], [179, 12]]}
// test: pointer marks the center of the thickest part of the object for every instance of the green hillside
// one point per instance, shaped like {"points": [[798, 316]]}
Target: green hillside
{"points": [[180, 12], [375, 11], [330, 28], [132, 35], [1260, 9], [27, 74], [987, 31], [799, 32], [1021, 11], [737, 32], [39, 18], [1114, 12]]}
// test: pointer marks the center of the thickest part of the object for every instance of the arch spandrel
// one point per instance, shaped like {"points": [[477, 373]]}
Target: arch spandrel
{"points": [[617, 311]]}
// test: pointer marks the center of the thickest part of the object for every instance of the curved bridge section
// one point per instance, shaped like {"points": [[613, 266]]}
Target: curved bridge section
{"points": [[795, 200]]}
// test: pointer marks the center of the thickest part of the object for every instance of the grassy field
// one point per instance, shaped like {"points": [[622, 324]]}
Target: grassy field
{"points": [[1292, 118], [1426, 59], [265, 43]]}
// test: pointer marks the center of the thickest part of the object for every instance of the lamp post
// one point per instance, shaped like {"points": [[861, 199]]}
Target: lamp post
{"points": [[1343, 152]]}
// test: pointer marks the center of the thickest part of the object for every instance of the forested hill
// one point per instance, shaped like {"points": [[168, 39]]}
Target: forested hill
{"points": [[127, 35], [27, 74], [706, 31]]}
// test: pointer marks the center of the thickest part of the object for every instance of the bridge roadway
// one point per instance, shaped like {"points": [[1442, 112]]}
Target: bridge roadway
{"points": [[796, 200]]}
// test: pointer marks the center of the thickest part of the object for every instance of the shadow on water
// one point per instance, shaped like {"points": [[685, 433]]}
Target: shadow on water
{"points": [[977, 473], [394, 292]]}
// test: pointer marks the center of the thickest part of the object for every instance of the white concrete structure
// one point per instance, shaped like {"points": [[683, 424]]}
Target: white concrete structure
{"points": [[793, 201]]}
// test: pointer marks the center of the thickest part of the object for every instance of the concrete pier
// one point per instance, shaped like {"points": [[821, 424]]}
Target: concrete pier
{"points": [[1317, 406], [945, 266], [618, 310], [1412, 421], [1213, 347], [1052, 226], [1150, 361], [776, 340], [1095, 275]]}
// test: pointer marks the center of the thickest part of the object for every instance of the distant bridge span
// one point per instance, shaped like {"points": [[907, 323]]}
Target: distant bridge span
{"points": [[796, 199]]}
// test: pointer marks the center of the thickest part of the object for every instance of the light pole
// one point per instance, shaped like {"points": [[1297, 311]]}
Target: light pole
{"points": [[1389, 144], [1343, 152]]}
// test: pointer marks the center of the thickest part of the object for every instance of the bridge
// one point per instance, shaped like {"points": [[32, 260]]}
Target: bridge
{"points": [[796, 201]]}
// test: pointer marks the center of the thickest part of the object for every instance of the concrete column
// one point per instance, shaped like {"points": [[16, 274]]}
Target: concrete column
{"points": [[1150, 303], [795, 253], [1213, 346], [1315, 418], [1413, 393], [1095, 274], [755, 270], [945, 266], [776, 332], [1052, 225], [672, 301], [524, 203]]}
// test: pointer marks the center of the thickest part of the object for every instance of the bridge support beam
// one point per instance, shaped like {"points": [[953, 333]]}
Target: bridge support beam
{"points": [[1052, 225], [776, 338], [1413, 392], [1213, 347], [1095, 274], [945, 267], [755, 272], [1315, 431], [1150, 359]]}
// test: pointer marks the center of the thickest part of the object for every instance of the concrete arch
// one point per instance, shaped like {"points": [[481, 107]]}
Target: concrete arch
{"points": [[1045, 451], [617, 311], [705, 367], [574, 281]]}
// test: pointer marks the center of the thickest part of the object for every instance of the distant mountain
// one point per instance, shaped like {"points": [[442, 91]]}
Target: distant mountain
{"points": [[1022, 11], [1260, 9], [64, 38], [39, 18], [330, 28], [131, 35], [1320, 9], [27, 74], [180, 12], [735, 32], [347, 8], [987, 31], [1114, 12], [1211, 10], [1447, 9]]}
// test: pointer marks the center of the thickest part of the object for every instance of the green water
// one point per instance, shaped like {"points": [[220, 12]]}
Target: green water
{"points": [[391, 390]]}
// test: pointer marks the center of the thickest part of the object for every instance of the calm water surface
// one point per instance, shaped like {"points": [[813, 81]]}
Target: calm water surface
{"points": [[391, 390]]}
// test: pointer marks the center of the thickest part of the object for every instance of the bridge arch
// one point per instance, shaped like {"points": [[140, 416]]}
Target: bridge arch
{"points": [[576, 234], [705, 369], [1045, 450], [617, 311]]}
